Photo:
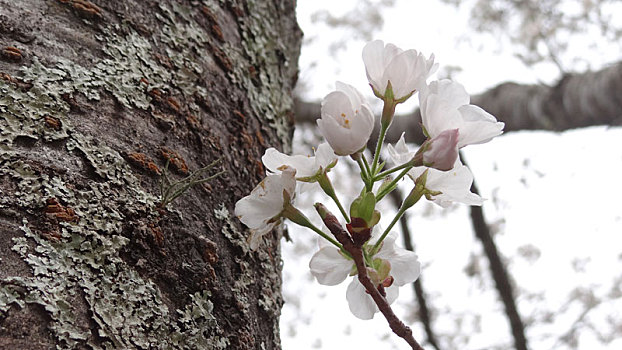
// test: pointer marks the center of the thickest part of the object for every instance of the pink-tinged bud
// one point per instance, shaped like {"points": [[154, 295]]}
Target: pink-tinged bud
{"points": [[442, 151], [388, 282]]}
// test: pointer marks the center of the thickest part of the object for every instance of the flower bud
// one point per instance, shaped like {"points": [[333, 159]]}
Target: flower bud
{"points": [[442, 151], [364, 217]]}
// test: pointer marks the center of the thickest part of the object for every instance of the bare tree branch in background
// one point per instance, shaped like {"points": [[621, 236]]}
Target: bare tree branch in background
{"points": [[577, 100], [498, 271], [424, 312]]}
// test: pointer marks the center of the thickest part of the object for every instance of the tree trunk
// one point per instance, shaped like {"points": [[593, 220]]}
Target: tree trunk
{"points": [[97, 101]]}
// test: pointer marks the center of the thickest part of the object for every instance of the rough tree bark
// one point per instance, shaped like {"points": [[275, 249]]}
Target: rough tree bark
{"points": [[95, 98]]}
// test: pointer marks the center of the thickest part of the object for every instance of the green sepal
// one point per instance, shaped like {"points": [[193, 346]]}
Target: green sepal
{"points": [[388, 92], [403, 99], [382, 267], [320, 173], [373, 276], [422, 179], [325, 184], [375, 218], [363, 207], [287, 198], [380, 167], [387, 186], [376, 92], [294, 215], [353, 271], [413, 197], [425, 131]]}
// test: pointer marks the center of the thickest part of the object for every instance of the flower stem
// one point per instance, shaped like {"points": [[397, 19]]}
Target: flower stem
{"points": [[374, 164], [391, 171], [388, 111], [413, 197], [296, 216], [343, 212], [389, 188], [365, 175], [327, 186], [366, 163], [399, 214], [327, 237]]}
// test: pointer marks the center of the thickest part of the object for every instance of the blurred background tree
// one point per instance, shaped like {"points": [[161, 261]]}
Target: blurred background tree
{"points": [[575, 44]]}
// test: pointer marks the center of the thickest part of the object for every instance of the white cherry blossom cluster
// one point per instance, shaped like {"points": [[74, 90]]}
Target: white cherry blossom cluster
{"points": [[449, 121]]}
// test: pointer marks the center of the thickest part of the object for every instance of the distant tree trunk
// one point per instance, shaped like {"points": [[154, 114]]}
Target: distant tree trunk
{"points": [[95, 99]]}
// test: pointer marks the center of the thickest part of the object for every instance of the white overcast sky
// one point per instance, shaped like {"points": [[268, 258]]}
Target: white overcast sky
{"points": [[553, 199]]}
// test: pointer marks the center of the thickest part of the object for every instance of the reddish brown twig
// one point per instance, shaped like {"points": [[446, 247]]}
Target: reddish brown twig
{"points": [[356, 251]]}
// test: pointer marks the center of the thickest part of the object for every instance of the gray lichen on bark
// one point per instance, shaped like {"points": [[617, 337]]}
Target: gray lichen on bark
{"points": [[85, 249]]}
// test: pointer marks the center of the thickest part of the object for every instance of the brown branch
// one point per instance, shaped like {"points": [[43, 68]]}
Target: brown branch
{"points": [[356, 251], [499, 273]]}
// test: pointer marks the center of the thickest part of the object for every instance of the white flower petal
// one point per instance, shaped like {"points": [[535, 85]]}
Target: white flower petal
{"points": [[274, 159], [261, 208], [415, 172], [451, 91], [346, 120], [306, 166], [439, 115], [399, 153], [373, 54], [254, 212], [399, 72], [480, 126], [354, 96], [329, 266], [288, 181], [392, 293], [407, 70], [255, 237], [455, 186], [325, 157], [337, 104], [445, 106], [405, 267], [360, 303]]}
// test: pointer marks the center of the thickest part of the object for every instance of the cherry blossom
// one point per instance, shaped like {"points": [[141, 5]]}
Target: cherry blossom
{"points": [[407, 71], [346, 120], [331, 267], [261, 210], [450, 186], [445, 106], [307, 167]]}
